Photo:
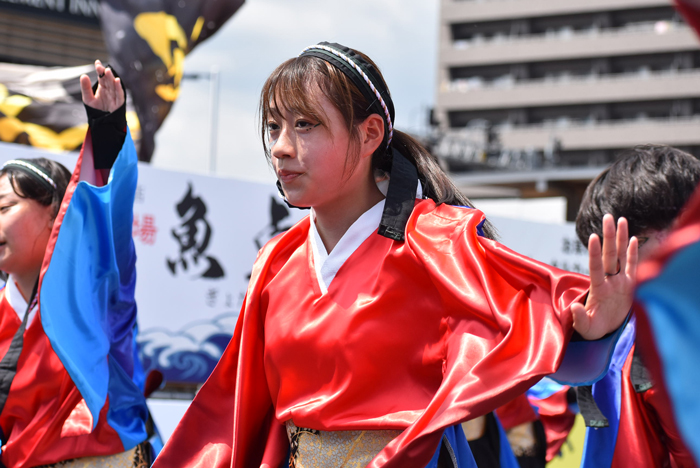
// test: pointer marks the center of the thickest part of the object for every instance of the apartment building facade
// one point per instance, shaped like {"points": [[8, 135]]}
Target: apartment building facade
{"points": [[535, 97]]}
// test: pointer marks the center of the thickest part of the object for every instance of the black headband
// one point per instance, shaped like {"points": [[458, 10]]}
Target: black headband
{"points": [[362, 73], [35, 171], [403, 181]]}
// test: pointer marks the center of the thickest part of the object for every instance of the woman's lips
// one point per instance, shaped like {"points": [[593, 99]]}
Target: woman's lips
{"points": [[287, 176]]}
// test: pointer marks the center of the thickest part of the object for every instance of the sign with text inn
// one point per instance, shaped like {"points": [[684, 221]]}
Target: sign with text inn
{"points": [[81, 10]]}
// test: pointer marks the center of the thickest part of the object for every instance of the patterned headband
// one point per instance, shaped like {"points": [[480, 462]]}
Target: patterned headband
{"points": [[31, 169], [361, 73]]}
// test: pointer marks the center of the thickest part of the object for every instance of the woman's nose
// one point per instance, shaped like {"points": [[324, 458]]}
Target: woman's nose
{"points": [[283, 146]]}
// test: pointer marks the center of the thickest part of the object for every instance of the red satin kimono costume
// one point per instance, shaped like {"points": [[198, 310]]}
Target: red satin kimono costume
{"points": [[416, 335], [50, 419]]}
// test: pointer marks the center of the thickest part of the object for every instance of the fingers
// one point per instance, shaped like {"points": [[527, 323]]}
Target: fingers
{"points": [[86, 89], [622, 242], [610, 257], [106, 81], [109, 95], [595, 261], [99, 68], [114, 94], [632, 259]]}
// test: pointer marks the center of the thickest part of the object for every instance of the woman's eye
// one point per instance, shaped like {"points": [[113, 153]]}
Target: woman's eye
{"points": [[272, 126], [306, 125]]}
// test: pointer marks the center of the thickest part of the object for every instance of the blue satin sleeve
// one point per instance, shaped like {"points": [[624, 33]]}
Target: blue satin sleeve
{"points": [[87, 303]]}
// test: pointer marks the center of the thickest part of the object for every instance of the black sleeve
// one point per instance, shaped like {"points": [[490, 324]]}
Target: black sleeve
{"points": [[108, 133]]}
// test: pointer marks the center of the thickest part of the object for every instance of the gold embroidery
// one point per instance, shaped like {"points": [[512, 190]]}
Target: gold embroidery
{"points": [[137, 457], [335, 449]]}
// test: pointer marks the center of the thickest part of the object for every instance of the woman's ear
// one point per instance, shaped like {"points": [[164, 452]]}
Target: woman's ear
{"points": [[372, 134]]}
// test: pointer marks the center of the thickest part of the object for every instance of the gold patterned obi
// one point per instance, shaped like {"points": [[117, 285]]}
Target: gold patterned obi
{"points": [[335, 449], [137, 457]]}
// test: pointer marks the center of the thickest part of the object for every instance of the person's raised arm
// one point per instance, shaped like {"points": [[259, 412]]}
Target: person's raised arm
{"points": [[105, 104], [613, 268]]}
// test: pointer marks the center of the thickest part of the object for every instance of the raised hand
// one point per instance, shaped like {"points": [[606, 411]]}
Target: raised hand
{"points": [[613, 271], [109, 95]]}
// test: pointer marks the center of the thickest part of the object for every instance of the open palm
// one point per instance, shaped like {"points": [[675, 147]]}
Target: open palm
{"points": [[613, 271]]}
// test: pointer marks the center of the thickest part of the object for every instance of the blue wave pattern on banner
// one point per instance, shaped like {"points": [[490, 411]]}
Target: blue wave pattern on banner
{"points": [[190, 354]]}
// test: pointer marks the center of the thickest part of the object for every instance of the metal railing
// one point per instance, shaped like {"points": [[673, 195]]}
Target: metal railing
{"points": [[509, 82], [566, 33]]}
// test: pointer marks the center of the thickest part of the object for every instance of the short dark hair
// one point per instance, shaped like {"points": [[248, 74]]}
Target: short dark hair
{"points": [[28, 186], [648, 185]]}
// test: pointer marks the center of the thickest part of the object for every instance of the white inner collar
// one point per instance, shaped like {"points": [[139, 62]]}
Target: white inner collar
{"points": [[327, 265], [16, 301]]}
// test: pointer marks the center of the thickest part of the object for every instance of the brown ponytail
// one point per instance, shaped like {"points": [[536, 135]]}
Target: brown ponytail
{"points": [[436, 183]]}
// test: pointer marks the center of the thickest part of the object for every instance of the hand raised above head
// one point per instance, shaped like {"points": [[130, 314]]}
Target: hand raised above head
{"points": [[613, 270], [109, 95]]}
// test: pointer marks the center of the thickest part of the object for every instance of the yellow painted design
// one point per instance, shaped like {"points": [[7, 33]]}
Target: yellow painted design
{"points": [[197, 30], [42, 137], [3, 92], [132, 120], [168, 42], [13, 105], [10, 128]]}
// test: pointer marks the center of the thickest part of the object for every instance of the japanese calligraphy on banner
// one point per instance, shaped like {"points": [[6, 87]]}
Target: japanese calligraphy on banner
{"points": [[196, 240]]}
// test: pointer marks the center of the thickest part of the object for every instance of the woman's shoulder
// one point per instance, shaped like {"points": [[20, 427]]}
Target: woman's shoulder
{"points": [[291, 238], [427, 212]]}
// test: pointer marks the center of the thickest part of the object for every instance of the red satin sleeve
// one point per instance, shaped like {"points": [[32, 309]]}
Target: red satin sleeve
{"points": [[508, 323]]}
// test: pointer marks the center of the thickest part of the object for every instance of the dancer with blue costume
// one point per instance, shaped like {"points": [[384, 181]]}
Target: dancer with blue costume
{"points": [[71, 383], [629, 420], [379, 323], [668, 303]]}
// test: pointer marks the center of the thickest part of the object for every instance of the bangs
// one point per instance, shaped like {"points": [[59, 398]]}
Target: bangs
{"points": [[290, 89]]}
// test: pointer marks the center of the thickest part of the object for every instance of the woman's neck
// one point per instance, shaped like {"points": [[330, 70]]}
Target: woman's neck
{"points": [[333, 222], [25, 283]]}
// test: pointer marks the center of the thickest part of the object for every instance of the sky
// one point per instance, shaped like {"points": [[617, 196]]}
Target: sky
{"points": [[400, 35]]}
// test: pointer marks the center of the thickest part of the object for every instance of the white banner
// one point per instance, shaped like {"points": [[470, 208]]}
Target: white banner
{"points": [[554, 244], [196, 239]]}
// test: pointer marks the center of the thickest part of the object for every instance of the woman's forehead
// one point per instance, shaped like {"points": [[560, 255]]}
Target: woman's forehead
{"points": [[308, 103], [5, 186]]}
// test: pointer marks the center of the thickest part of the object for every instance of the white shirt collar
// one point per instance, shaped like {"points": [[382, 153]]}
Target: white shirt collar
{"points": [[16, 301], [326, 265]]}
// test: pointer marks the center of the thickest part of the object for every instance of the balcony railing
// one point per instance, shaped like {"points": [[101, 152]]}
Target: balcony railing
{"points": [[568, 33], [465, 85], [535, 146]]}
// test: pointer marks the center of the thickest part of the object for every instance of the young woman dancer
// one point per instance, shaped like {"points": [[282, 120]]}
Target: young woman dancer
{"points": [[381, 321], [68, 375]]}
